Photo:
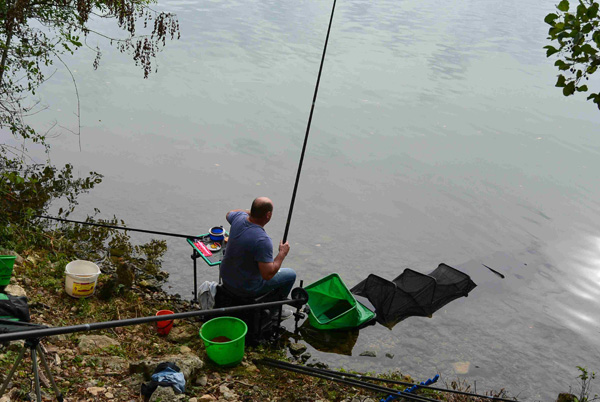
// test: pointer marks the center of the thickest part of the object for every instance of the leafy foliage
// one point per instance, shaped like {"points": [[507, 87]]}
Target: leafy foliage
{"points": [[586, 379], [577, 36], [34, 34]]}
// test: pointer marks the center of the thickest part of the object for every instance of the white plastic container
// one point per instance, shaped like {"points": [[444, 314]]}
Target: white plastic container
{"points": [[81, 278]]}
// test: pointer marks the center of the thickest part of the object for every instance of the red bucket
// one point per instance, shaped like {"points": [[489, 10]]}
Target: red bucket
{"points": [[164, 327]]}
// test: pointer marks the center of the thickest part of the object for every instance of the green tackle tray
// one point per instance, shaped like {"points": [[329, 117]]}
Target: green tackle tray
{"points": [[217, 256]]}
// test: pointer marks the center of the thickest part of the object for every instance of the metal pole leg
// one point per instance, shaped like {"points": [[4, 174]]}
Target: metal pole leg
{"points": [[36, 374], [12, 371], [194, 257], [59, 395]]}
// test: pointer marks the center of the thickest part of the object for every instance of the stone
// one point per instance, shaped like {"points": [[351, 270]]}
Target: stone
{"points": [[297, 348], [19, 260], [88, 343], [207, 398], [389, 355], [150, 284], [368, 353], [114, 363], [15, 290], [251, 368], [202, 381], [95, 390], [109, 395], [182, 334], [305, 357], [164, 394], [185, 350]]}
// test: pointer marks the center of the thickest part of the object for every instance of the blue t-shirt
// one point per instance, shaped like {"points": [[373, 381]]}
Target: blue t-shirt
{"points": [[248, 245]]}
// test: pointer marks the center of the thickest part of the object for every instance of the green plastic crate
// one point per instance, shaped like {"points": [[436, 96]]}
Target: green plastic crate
{"points": [[332, 306], [6, 268]]}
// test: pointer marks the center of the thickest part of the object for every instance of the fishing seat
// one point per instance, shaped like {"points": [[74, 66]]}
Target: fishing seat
{"points": [[261, 325]]}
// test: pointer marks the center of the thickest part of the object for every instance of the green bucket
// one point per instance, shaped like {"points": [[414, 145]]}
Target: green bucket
{"points": [[6, 269], [224, 339]]}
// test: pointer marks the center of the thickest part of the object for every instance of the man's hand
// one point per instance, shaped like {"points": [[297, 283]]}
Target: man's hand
{"points": [[284, 248], [269, 269]]}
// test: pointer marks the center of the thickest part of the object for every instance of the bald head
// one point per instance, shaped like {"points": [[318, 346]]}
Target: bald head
{"points": [[261, 209]]}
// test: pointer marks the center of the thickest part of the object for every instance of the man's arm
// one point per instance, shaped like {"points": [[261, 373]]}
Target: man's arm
{"points": [[236, 210], [269, 269]]}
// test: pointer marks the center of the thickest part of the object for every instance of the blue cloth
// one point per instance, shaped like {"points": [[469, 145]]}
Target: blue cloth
{"points": [[248, 245], [172, 378]]}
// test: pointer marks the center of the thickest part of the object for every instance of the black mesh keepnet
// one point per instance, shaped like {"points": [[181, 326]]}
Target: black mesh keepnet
{"points": [[413, 293]]}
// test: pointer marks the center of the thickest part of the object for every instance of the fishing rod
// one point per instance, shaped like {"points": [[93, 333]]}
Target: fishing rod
{"points": [[299, 298], [117, 227], [312, 108], [347, 381], [337, 373]]}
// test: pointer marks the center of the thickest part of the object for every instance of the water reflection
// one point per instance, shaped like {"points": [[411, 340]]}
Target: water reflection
{"points": [[340, 342]]}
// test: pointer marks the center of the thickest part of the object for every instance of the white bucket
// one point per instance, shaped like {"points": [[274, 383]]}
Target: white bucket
{"points": [[81, 278]]}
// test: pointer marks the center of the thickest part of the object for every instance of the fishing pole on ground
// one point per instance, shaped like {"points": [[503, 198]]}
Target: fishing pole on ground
{"points": [[312, 108], [347, 381], [299, 298], [337, 373], [118, 227]]}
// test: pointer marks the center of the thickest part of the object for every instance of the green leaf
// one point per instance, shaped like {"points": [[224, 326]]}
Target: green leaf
{"points": [[550, 19], [592, 12], [563, 5], [550, 50], [582, 88], [561, 81], [588, 49], [569, 89], [562, 66]]}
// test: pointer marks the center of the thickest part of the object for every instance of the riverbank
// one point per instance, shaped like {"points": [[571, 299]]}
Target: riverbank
{"points": [[111, 365]]}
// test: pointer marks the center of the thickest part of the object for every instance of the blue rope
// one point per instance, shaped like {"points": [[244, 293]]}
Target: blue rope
{"points": [[411, 389]]}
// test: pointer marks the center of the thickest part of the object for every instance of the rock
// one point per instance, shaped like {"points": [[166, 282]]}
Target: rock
{"points": [[389, 355], [95, 390], [193, 400], [227, 394], [297, 348], [15, 290], [368, 353], [202, 381], [87, 343], [114, 363], [206, 398], [182, 334], [251, 368], [150, 284], [305, 357], [565, 397], [19, 260], [185, 350], [164, 394], [109, 395]]}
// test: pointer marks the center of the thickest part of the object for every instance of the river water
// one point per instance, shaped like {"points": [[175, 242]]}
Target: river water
{"points": [[438, 136]]}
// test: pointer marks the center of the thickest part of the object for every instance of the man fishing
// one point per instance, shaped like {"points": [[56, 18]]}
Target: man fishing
{"points": [[248, 268]]}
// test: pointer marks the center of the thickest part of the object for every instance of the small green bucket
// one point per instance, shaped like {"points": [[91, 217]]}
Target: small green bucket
{"points": [[6, 269], [224, 339]]}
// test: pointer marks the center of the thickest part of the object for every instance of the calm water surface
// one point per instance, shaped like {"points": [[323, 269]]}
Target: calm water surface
{"points": [[438, 136]]}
